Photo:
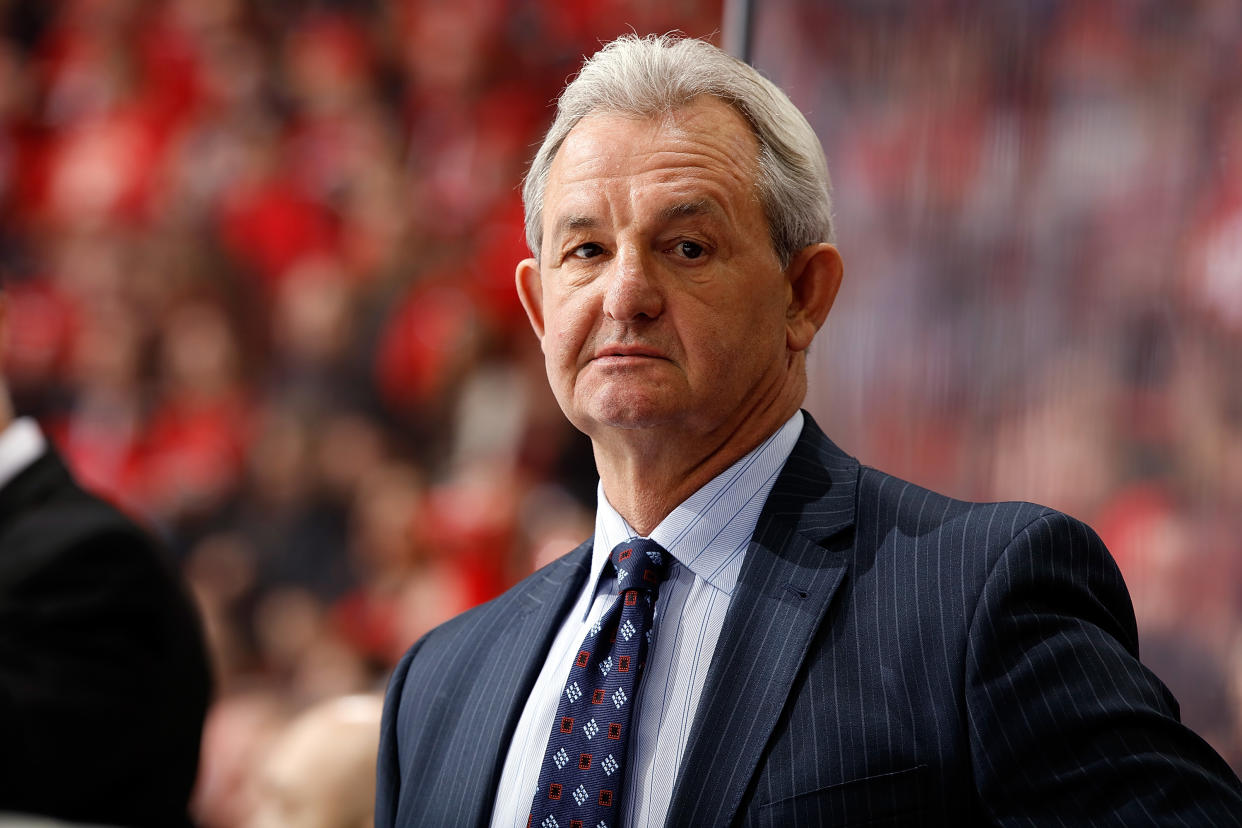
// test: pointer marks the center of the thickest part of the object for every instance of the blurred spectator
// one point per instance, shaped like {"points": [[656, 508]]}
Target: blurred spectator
{"points": [[103, 675], [320, 770], [240, 729]]}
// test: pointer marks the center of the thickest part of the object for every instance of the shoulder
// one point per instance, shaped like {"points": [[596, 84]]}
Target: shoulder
{"points": [[111, 581], [980, 557], [471, 670], [891, 522], [47, 519], [917, 512], [479, 624], [1001, 564], [984, 544]]}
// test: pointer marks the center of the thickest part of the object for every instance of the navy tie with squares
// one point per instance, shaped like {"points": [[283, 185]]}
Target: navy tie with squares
{"points": [[583, 770]]}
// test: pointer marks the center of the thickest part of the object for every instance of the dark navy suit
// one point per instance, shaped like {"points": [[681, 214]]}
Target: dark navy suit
{"points": [[891, 657]]}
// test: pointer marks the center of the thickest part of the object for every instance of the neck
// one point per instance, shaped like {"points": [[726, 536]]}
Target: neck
{"points": [[646, 473]]}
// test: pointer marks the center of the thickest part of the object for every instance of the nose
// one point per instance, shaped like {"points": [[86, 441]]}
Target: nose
{"points": [[632, 291]]}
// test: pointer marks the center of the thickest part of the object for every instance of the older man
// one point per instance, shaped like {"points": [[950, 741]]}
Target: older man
{"points": [[761, 631]]}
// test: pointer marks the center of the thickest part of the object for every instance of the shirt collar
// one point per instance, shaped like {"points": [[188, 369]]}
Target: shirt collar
{"points": [[20, 445], [709, 531]]}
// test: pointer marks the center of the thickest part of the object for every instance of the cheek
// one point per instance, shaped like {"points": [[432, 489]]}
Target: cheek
{"points": [[733, 357], [742, 331], [566, 329], [558, 349]]}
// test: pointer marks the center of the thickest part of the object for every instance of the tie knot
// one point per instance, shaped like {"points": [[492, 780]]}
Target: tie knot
{"points": [[640, 563]]}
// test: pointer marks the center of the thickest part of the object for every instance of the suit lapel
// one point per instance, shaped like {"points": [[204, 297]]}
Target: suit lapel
{"points": [[792, 570], [32, 485], [542, 606]]}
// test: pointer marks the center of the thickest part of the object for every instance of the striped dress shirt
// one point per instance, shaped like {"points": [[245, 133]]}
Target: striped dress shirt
{"points": [[707, 536]]}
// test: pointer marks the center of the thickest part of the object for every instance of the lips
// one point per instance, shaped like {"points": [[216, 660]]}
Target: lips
{"points": [[608, 351]]}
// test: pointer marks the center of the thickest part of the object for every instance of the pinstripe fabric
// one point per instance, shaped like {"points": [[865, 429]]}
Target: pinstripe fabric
{"points": [[454, 698], [891, 657], [707, 537]]}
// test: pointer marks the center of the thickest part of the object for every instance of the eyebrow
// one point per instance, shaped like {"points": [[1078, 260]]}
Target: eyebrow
{"points": [[574, 222], [697, 207]]}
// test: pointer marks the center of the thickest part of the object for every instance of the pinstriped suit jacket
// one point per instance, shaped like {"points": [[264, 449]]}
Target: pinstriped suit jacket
{"points": [[891, 657]]}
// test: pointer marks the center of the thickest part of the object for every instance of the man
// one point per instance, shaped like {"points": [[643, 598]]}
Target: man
{"points": [[103, 674], [830, 645]]}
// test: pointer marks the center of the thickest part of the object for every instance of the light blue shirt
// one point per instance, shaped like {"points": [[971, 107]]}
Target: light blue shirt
{"points": [[707, 535]]}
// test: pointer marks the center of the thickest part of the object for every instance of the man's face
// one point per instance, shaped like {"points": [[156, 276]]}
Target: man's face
{"points": [[658, 299]]}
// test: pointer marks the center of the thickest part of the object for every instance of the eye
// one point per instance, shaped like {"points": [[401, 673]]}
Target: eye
{"points": [[587, 251], [689, 249]]}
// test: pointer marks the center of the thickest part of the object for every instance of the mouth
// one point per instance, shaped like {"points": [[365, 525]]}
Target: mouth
{"points": [[627, 352]]}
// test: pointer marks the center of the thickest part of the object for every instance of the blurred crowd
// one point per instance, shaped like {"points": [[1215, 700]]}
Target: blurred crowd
{"points": [[258, 259], [1040, 211]]}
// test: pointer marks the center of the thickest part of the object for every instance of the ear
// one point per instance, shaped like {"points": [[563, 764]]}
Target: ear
{"points": [[814, 278], [530, 291]]}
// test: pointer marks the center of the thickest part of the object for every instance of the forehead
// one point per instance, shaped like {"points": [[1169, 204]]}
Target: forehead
{"points": [[704, 146]]}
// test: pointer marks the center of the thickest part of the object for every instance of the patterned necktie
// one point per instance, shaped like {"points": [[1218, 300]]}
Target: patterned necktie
{"points": [[583, 767]]}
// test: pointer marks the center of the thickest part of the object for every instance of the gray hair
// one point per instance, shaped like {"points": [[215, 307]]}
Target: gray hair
{"points": [[648, 76]]}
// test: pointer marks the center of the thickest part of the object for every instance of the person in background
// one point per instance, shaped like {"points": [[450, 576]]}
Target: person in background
{"points": [[104, 680], [320, 770], [762, 630]]}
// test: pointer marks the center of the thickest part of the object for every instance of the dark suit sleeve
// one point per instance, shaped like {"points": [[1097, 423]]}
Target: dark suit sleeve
{"points": [[103, 679], [1066, 726]]}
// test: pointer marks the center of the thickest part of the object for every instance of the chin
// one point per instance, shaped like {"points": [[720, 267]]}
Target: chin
{"points": [[632, 413]]}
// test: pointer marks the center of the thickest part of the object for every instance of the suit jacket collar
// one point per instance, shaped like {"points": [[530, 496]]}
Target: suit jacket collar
{"points": [[543, 602], [795, 562], [555, 587], [32, 485]]}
